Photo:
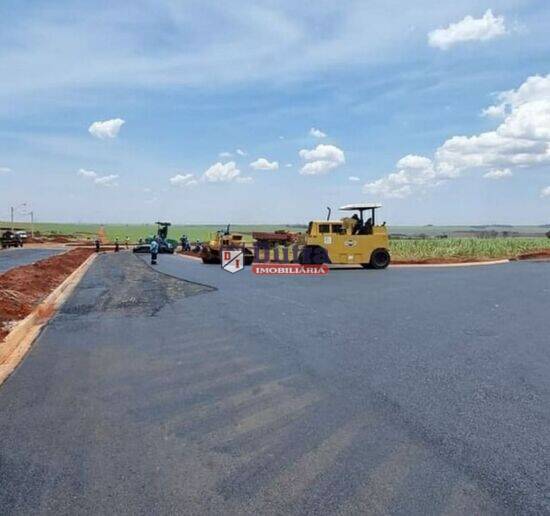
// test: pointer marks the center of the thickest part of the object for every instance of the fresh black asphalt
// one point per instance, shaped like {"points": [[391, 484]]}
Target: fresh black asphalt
{"points": [[10, 258], [360, 392]]}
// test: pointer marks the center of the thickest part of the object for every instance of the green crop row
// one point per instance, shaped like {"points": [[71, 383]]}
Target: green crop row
{"points": [[466, 248]]}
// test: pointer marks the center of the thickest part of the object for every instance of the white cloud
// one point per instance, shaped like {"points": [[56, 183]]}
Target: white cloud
{"points": [[5, 170], [222, 172], [499, 173], [289, 165], [469, 29], [264, 164], [183, 180], [521, 140], [324, 152], [240, 152], [317, 133], [107, 180], [535, 88], [413, 172], [87, 173], [494, 111], [317, 168], [244, 180], [225, 154], [322, 159], [545, 192], [354, 178], [107, 128]]}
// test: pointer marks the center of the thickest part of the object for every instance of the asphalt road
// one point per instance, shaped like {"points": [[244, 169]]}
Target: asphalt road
{"points": [[402, 391], [15, 257]]}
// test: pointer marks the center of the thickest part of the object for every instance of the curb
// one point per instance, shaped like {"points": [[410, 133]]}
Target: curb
{"points": [[19, 341]]}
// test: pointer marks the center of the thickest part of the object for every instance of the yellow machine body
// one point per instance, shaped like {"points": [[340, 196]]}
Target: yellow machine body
{"points": [[342, 245]]}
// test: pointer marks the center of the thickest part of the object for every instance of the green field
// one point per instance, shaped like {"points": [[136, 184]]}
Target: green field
{"points": [[136, 231], [401, 249], [466, 248], [202, 232]]}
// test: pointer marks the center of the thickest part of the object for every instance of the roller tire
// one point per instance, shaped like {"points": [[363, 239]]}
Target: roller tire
{"points": [[379, 259]]}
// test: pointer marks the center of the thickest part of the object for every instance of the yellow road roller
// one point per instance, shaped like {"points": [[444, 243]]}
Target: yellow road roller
{"points": [[356, 239]]}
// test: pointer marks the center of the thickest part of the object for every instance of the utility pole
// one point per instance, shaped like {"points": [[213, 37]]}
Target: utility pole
{"points": [[12, 211], [32, 224]]}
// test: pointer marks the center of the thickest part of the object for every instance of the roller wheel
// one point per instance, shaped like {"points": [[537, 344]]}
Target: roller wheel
{"points": [[379, 259]]}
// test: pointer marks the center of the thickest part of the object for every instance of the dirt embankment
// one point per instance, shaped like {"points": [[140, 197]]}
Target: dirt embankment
{"points": [[22, 288], [540, 255]]}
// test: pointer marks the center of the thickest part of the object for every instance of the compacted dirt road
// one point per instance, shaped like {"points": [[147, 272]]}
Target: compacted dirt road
{"points": [[360, 392]]}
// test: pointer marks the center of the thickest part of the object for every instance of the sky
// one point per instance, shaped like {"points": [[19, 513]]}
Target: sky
{"points": [[270, 111]]}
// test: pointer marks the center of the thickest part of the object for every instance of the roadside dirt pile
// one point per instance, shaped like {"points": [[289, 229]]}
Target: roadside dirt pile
{"points": [[22, 288]]}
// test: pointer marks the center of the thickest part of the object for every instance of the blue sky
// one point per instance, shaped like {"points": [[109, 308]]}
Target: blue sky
{"points": [[391, 84]]}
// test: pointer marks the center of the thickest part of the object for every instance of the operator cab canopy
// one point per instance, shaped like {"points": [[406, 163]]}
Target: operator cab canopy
{"points": [[361, 207]]}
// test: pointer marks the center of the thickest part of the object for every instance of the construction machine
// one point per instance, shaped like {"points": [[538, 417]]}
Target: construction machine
{"points": [[166, 245], [211, 250], [10, 238], [350, 240]]}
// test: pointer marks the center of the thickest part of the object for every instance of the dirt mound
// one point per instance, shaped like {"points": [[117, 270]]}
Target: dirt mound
{"points": [[22, 288]]}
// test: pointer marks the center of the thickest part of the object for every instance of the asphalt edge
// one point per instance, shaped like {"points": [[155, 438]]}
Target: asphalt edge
{"points": [[146, 261], [19, 341], [418, 265]]}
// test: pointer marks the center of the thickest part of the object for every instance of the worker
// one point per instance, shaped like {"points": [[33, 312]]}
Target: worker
{"points": [[154, 249], [367, 229], [117, 245], [184, 243], [357, 227], [97, 245]]}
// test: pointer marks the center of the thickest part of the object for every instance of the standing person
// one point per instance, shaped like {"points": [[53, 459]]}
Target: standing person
{"points": [[184, 243], [97, 245], [154, 249], [117, 245]]}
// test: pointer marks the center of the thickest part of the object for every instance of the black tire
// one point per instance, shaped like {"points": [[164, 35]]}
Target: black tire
{"points": [[313, 254], [379, 259]]}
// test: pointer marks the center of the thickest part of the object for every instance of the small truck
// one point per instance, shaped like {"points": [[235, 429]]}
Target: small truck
{"points": [[10, 238]]}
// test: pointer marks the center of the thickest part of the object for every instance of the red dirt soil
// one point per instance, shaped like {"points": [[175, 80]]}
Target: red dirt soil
{"points": [[443, 261], [535, 256], [22, 288]]}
